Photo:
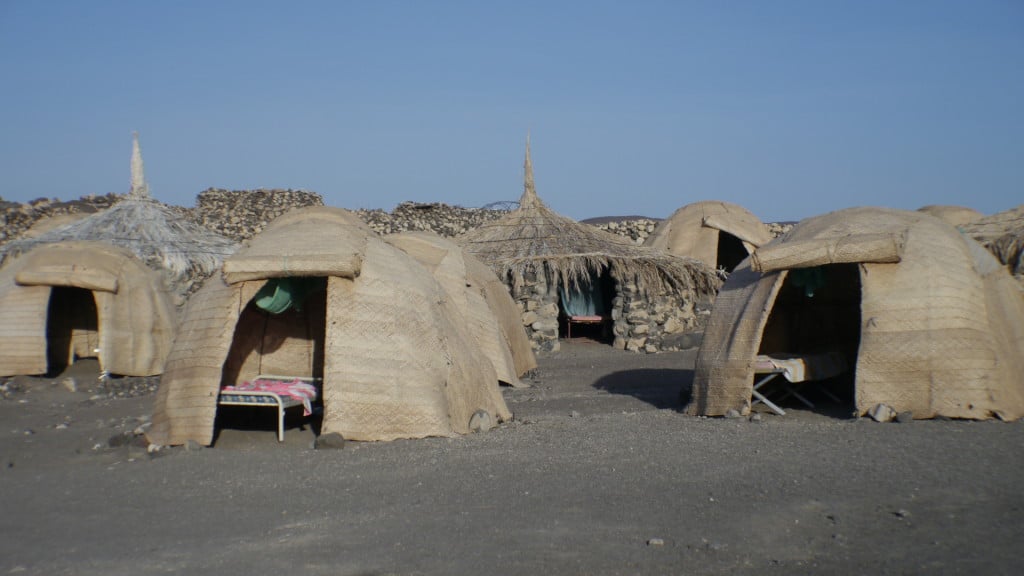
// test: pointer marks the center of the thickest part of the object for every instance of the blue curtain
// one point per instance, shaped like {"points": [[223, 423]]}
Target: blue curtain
{"points": [[583, 299]]}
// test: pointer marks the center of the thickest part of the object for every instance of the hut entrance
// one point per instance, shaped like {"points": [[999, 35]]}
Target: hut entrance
{"points": [[279, 339], [816, 320], [731, 251], [72, 327], [585, 308]]}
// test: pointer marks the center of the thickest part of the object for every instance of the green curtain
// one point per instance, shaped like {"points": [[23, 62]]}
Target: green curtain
{"points": [[281, 294]]}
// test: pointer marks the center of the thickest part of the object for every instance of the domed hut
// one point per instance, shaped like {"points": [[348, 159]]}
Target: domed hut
{"points": [[70, 300], [720, 234], [317, 296], [483, 302], [564, 274], [924, 319], [955, 215], [163, 239]]}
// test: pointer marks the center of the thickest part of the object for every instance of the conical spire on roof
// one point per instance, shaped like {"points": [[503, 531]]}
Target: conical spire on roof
{"points": [[529, 189], [139, 187]]}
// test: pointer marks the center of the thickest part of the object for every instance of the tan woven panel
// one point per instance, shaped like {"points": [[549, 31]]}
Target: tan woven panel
{"points": [[186, 402], [448, 264]]}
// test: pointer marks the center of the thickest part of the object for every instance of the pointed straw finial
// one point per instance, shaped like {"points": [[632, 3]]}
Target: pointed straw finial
{"points": [[529, 189], [139, 187]]}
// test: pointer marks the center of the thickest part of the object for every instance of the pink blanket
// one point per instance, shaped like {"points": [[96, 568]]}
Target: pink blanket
{"points": [[297, 389]]}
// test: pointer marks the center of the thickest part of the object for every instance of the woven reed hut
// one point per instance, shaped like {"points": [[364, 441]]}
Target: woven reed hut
{"points": [[720, 234], [374, 326], [927, 319], [71, 300], [481, 299], [184, 252], [955, 215], [558, 269]]}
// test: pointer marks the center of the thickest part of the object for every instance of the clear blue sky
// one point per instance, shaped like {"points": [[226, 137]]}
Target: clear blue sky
{"points": [[790, 108]]}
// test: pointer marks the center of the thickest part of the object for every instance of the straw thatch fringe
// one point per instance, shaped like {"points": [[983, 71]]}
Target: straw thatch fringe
{"points": [[650, 274]]}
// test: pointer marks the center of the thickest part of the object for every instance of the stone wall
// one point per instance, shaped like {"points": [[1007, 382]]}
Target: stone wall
{"points": [[241, 214], [442, 219], [636, 230], [651, 322], [538, 302], [655, 322]]}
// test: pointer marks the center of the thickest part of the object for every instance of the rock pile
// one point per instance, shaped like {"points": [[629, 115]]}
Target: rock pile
{"points": [[777, 229], [241, 214], [636, 230], [441, 219]]}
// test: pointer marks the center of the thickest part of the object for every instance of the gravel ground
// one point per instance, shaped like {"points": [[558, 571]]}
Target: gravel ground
{"points": [[599, 473]]}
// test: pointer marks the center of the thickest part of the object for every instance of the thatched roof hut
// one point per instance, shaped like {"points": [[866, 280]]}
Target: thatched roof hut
{"points": [[720, 234], [372, 325], [483, 302], [925, 317], [159, 236], [74, 300], [540, 254]]}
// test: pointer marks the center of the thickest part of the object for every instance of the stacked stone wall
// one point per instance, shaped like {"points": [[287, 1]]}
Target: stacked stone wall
{"points": [[640, 322], [441, 219], [636, 230], [241, 214], [655, 322]]}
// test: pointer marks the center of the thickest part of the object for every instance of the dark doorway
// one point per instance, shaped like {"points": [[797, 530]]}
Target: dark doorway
{"points": [[278, 339], [585, 309], [731, 251], [72, 327], [817, 311]]}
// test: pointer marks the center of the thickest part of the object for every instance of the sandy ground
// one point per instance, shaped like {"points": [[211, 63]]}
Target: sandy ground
{"points": [[599, 473]]}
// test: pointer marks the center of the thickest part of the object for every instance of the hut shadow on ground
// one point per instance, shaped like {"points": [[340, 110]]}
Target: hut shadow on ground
{"points": [[659, 387]]}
